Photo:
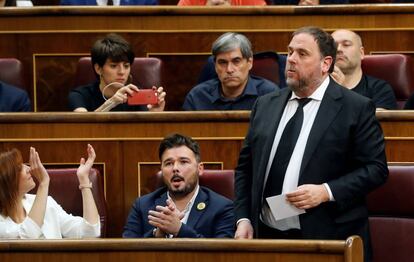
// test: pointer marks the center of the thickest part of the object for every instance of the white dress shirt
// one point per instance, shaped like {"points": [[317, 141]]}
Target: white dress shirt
{"points": [[57, 224], [291, 179], [187, 208]]}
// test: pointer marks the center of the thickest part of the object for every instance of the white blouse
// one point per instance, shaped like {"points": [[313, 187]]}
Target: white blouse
{"points": [[57, 224]]}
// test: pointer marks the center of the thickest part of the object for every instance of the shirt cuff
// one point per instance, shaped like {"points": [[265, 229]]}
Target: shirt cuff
{"points": [[331, 197], [242, 219]]}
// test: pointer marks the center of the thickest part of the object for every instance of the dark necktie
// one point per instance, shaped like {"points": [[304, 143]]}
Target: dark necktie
{"points": [[284, 151], [110, 2]]}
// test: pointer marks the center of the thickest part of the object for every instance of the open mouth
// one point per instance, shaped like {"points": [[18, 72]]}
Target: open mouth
{"points": [[176, 180]]}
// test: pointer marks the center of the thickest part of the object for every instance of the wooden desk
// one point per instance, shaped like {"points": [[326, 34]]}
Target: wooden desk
{"points": [[127, 144], [49, 40], [171, 250]]}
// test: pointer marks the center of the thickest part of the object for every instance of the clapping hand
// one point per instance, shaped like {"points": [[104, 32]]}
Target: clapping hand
{"points": [[37, 169], [85, 166]]}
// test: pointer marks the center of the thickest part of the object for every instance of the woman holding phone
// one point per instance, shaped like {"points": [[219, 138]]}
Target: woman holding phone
{"points": [[112, 58], [27, 216]]}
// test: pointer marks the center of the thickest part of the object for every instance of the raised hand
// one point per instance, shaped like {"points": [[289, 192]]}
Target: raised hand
{"points": [[37, 169], [85, 166]]}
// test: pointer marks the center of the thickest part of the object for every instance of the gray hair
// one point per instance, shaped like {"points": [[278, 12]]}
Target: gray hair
{"points": [[230, 41]]}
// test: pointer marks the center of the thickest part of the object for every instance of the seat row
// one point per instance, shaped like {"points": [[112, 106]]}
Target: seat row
{"points": [[396, 69]]}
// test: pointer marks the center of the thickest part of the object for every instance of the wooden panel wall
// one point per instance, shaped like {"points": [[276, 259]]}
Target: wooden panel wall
{"points": [[48, 40], [127, 144]]}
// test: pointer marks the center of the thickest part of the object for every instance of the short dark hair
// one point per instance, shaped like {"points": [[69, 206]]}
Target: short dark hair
{"points": [[326, 43], [231, 41], [177, 140], [113, 47]]}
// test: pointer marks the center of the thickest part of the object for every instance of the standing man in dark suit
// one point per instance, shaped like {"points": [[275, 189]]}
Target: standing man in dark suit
{"points": [[336, 158], [182, 208]]}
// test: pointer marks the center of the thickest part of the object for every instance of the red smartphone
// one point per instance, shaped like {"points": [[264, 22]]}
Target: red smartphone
{"points": [[143, 97]]}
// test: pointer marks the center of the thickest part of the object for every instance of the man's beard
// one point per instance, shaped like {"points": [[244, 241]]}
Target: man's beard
{"points": [[297, 86], [188, 188], [346, 66]]}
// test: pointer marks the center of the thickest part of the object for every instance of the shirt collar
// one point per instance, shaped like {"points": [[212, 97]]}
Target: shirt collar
{"points": [[249, 89], [318, 93], [191, 202]]}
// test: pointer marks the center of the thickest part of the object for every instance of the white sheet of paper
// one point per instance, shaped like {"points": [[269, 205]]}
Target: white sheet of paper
{"points": [[281, 208]]}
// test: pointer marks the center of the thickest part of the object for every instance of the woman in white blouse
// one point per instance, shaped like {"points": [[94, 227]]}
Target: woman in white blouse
{"points": [[25, 215]]}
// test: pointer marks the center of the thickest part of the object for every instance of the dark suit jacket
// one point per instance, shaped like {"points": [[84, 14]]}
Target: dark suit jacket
{"points": [[13, 99], [216, 220], [345, 148]]}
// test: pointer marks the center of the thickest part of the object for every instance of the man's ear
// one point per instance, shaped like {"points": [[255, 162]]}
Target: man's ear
{"points": [[200, 167], [326, 64], [362, 52], [250, 62]]}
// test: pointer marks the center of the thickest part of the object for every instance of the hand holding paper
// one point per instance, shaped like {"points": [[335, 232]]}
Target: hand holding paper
{"points": [[281, 208]]}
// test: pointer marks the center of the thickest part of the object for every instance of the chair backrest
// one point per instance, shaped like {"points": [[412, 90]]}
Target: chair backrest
{"points": [[266, 65], [145, 71], [391, 216], [64, 188], [11, 72], [396, 69], [220, 181]]}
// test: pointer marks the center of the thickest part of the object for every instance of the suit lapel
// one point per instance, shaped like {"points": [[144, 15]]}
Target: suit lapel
{"points": [[161, 200], [199, 207], [278, 103], [328, 110]]}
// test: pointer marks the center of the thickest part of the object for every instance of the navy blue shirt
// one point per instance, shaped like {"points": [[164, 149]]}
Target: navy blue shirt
{"points": [[207, 95], [13, 99]]}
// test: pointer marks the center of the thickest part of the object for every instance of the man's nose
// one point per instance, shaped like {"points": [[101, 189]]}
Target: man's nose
{"points": [[291, 58], [230, 67], [175, 166]]}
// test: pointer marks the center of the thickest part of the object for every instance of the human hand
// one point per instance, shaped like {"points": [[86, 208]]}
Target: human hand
{"points": [[160, 98], [121, 96], [165, 219], [37, 169], [244, 230], [171, 205], [338, 76], [85, 166], [308, 196], [308, 2]]}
